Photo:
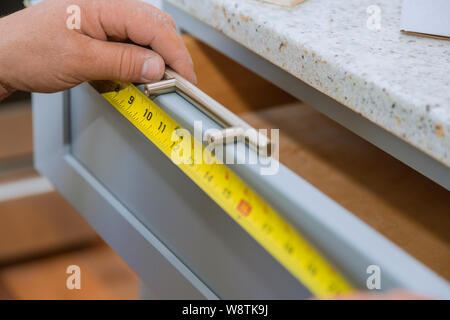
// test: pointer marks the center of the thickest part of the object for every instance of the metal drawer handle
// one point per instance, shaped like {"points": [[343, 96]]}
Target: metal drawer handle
{"points": [[235, 127]]}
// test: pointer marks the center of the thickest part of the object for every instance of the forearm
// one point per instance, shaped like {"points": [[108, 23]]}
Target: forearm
{"points": [[5, 90]]}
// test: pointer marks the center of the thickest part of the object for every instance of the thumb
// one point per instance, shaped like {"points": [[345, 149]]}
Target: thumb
{"points": [[121, 61]]}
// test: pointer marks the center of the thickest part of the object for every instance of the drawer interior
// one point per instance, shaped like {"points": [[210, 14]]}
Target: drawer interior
{"points": [[404, 206]]}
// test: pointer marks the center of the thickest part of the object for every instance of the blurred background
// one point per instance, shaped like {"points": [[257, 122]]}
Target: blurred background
{"points": [[40, 233]]}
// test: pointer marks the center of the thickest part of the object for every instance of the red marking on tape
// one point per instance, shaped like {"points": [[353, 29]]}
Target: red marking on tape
{"points": [[244, 207]]}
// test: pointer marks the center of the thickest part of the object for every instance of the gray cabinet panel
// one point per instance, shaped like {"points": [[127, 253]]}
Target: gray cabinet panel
{"points": [[184, 218], [178, 241]]}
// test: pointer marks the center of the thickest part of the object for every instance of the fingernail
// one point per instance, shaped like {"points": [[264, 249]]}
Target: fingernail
{"points": [[151, 69]]}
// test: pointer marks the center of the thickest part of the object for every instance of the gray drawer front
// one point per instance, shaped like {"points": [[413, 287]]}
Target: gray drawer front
{"points": [[149, 258], [191, 225], [112, 175]]}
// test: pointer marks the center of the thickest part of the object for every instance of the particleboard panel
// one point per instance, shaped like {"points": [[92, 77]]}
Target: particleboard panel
{"points": [[104, 275], [38, 225], [234, 86], [403, 205]]}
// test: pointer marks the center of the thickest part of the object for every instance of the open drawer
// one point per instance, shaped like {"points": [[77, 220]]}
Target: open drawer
{"points": [[183, 245]]}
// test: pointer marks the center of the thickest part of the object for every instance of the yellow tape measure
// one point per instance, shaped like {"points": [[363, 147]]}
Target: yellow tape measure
{"points": [[232, 194]]}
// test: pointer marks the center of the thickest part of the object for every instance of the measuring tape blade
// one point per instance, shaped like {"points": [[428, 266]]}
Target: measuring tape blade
{"points": [[231, 193]]}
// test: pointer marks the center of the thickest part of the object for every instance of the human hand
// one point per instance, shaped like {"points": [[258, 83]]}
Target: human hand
{"points": [[39, 52]]}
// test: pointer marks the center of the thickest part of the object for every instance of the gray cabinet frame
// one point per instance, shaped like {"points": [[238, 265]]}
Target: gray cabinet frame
{"points": [[170, 258]]}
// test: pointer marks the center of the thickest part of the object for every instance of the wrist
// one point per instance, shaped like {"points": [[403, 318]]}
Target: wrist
{"points": [[5, 91]]}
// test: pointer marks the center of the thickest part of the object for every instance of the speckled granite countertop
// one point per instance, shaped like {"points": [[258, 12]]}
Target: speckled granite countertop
{"points": [[400, 82]]}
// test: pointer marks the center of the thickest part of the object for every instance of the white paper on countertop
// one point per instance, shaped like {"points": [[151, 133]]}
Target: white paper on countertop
{"points": [[425, 16]]}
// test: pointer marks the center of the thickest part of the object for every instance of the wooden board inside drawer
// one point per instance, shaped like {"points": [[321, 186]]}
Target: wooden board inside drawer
{"points": [[407, 208], [231, 84]]}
